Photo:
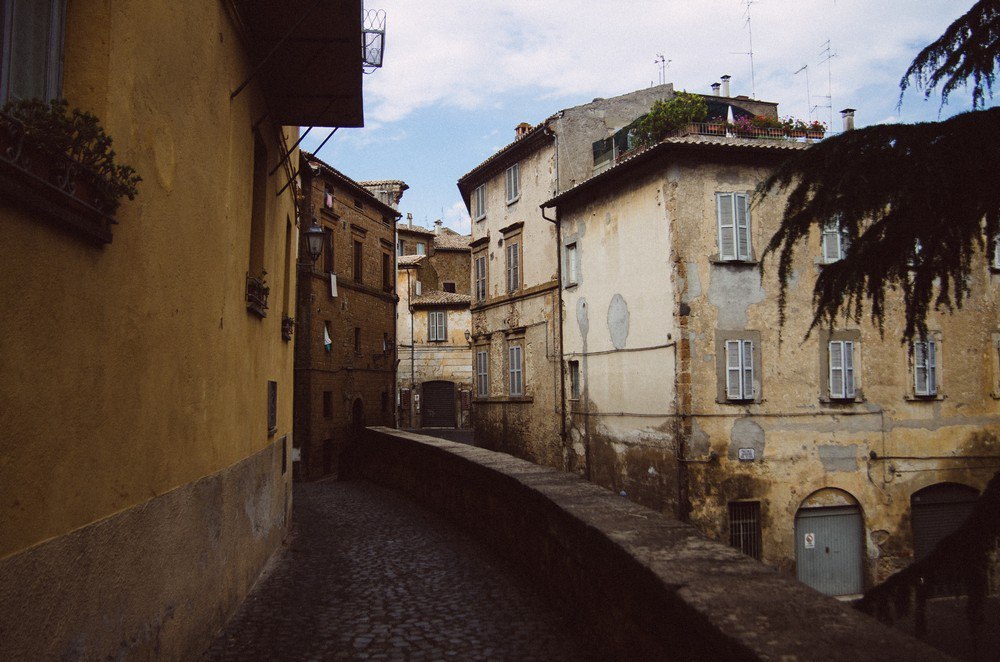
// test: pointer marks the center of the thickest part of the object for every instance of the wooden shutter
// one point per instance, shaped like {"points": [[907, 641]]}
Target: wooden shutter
{"points": [[742, 226], [831, 242], [849, 391], [836, 349], [925, 367], [727, 226], [733, 370], [747, 359]]}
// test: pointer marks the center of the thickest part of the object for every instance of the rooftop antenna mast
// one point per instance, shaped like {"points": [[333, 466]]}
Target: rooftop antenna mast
{"points": [[805, 68], [662, 63], [826, 55], [753, 78]]}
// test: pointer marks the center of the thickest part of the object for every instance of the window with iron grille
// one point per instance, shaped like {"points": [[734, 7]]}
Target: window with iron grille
{"points": [[482, 373], [516, 369], [733, 213], [437, 325], [744, 527], [513, 266], [513, 183], [272, 408]]}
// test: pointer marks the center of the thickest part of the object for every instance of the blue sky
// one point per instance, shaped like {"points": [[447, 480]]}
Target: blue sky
{"points": [[458, 76]]}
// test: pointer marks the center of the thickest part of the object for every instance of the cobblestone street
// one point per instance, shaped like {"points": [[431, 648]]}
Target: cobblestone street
{"points": [[370, 575]]}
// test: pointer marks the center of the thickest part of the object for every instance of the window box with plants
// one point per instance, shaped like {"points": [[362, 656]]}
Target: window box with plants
{"points": [[60, 165]]}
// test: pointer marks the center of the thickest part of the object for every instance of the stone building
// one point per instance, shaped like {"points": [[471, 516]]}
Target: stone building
{"points": [[840, 457], [515, 266], [434, 377], [345, 344], [145, 472]]}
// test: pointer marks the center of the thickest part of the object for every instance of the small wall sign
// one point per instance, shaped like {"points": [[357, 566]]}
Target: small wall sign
{"points": [[810, 540], [747, 455]]}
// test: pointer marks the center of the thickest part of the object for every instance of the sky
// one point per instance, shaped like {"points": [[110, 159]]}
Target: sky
{"points": [[457, 77]]}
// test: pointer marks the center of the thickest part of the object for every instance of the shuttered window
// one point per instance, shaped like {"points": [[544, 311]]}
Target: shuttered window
{"points": [[513, 267], [437, 325], [733, 212], [516, 371], [482, 373], [841, 354], [574, 379], [479, 202], [739, 370], [925, 369], [481, 278], [32, 49], [996, 252], [571, 264], [513, 183], [835, 241]]}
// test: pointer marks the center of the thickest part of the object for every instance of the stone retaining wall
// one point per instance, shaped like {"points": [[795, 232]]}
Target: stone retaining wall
{"points": [[650, 587]]}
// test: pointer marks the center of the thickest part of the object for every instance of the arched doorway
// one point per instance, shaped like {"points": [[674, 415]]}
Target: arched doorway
{"points": [[829, 543], [438, 404]]}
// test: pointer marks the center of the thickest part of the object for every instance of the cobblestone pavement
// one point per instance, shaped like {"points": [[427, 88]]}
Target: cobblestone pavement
{"points": [[370, 575]]}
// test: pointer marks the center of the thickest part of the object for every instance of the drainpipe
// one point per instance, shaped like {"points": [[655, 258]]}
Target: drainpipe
{"points": [[413, 373], [559, 324]]}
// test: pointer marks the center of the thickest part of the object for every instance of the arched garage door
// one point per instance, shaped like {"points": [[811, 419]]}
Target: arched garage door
{"points": [[936, 512], [829, 543], [438, 404]]}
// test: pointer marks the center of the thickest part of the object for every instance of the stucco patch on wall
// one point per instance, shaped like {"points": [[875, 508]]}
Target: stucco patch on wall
{"points": [[746, 433], [582, 318], [838, 458], [691, 287], [732, 290], [618, 320], [700, 442]]}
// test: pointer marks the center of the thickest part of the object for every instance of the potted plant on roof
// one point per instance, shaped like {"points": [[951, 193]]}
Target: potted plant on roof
{"points": [[64, 158], [666, 118], [815, 130]]}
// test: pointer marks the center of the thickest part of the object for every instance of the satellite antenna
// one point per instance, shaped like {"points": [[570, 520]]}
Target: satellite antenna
{"points": [[662, 63], [805, 68]]}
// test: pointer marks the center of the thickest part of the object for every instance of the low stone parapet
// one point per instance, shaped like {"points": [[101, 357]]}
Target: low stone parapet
{"points": [[649, 586]]}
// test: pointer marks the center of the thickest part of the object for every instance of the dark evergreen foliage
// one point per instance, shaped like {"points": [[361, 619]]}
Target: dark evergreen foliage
{"points": [[917, 201]]}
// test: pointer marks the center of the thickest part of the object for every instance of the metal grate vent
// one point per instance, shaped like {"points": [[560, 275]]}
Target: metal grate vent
{"points": [[744, 527]]}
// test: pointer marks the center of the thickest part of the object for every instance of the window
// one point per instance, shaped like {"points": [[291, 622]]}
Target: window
{"points": [[448, 286], [358, 260], [437, 325], [386, 272], [272, 408], [739, 370], [835, 241], [995, 262], [513, 183], [574, 379], [357, 204], [841, 362], [482, 373], [516, 369], [513, 266], [328, 251], [733, 213], [744, 527], [32, 49], [327, 197], [327, 404], [421, 249], [479, 203], [925, 367], [571, 264], [400, 247], [481, 277], [357, 340]]}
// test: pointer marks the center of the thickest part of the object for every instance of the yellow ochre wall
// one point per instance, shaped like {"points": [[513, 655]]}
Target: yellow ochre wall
{"points": [[136, 458]]}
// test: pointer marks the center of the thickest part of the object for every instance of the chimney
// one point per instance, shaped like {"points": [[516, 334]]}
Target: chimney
{"points": [[409, 220], [437, 226], [715, 88], [848, 115], [725, 85], [521, 129]]}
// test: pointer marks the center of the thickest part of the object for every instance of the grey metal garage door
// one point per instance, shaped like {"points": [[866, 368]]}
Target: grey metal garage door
{"points": [[828, 549], [438, 404], [936, 511]]}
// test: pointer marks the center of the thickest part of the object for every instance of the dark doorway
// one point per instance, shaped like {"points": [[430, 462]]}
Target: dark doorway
{"points": [[438, 404]]}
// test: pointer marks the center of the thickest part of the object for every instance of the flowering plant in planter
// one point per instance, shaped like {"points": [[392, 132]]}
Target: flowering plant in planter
{"points": [[73, 144]]}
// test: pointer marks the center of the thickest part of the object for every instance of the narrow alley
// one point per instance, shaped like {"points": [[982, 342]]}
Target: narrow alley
{"points": [[368, 574]]}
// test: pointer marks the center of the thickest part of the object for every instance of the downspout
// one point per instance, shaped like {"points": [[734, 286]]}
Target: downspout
{"points": [[559, 324], [413, 345]]}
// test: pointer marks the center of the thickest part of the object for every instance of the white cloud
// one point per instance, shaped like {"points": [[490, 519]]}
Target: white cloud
{"points": [[456, 217]]}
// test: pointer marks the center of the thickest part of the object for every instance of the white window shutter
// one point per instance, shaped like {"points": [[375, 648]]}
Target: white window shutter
{"points": [[747, 359], [837, 351], [742, 226], [931, 367], [920, 368], [996, 252], [849, 390], [733, 369], [831, 242], [727, 227]]}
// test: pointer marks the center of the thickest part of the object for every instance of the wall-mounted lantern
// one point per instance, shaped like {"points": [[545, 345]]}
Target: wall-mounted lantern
{"points": [[372, 39], [315, 236]]}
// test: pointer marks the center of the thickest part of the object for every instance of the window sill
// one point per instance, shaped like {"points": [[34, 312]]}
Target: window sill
{"points": [[910, 397], [827, 400], [734, 263], [571, 286], [738, 403], [514, 201], [480, 219]]}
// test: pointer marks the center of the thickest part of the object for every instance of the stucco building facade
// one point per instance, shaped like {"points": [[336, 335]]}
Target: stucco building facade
{"points": [[145, 476], [840, 457], [434, 377], [345, 324]]}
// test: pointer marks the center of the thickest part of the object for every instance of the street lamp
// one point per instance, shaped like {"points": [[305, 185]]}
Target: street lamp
{"points": [[315, 236]]}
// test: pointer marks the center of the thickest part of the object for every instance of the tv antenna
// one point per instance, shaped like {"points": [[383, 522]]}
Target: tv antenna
{"points": [[805, 68], [753, 78], [662, 63], [826, 55]]}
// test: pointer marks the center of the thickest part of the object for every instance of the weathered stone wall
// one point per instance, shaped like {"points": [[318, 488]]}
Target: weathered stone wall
{"points": [[453, 266], [649, 586]]}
